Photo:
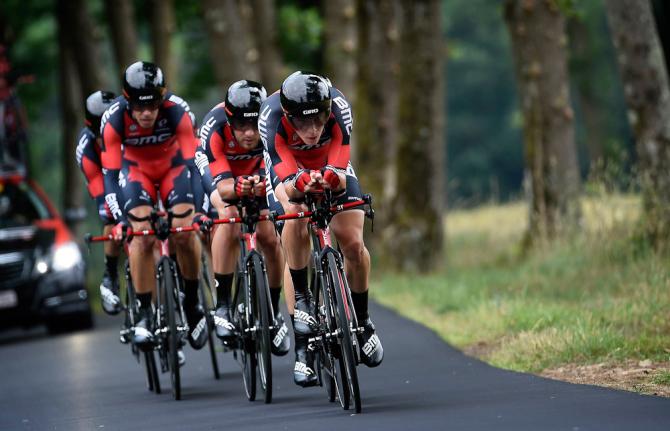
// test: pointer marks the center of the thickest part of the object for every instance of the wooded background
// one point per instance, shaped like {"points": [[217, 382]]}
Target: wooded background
{"points": [[456, 102]]}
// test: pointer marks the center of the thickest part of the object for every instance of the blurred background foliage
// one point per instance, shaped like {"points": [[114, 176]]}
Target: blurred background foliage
{"points": [[485, 152]]}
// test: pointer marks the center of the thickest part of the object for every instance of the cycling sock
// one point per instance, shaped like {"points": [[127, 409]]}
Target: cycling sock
{"points": [[111, 263], [145, 300], [274, 297], [190, 292], [299, 277], [224, 282], [360, 305]]}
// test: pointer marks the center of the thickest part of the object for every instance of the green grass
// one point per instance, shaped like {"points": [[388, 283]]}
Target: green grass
{"points": [[600, 296]]}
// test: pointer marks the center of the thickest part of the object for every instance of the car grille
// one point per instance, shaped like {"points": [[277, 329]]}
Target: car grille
{"points": [[10, 272]]}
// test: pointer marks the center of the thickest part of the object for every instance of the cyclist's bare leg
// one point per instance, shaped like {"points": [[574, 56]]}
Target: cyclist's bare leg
{"points": [[225, 243], [187, 245], [112, 248], [142, 253], [289, 294], [269, 244], [294, 237], [347, 227]]}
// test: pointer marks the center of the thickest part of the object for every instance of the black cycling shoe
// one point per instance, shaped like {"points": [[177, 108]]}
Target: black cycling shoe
{"points": [[143, 332], [304, 322], [197, 325], [280, 339], [225, 329], [303, 370], [372, 352], [109, 294]]}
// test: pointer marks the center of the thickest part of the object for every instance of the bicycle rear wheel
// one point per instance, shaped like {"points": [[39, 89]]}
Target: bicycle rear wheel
{"points": [[344, 312], [262, 323], [169, 295]]}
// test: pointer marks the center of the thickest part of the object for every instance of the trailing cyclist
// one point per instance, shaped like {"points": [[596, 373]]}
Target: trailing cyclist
{"points": [[230, 159], [305, 128], [88, 158], [149, 148]]}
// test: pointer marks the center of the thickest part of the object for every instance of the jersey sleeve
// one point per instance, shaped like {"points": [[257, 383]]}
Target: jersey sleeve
{"points": [[89, 163], [339, 151], [111, 127]]}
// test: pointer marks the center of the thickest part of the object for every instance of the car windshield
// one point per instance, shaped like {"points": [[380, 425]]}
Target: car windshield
{"points": [[19, 205]]}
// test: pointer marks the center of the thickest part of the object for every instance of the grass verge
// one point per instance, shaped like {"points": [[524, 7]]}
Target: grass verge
{"points": [[600, 297]]}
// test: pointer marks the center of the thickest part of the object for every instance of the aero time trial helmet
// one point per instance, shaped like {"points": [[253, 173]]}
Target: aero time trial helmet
{"points": [[96, 104], [305, 99], [144, 85], [243, 101]]}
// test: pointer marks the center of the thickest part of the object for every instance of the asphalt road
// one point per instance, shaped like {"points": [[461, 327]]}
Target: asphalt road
{"points": [[89, 381]]}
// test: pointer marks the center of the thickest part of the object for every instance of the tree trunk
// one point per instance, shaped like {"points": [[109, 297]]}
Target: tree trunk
{"points": [[71, 109], [417, 213], [271, 70], [376, 110], [74, 15], [645, 79], [538, 37], [587, 97], [162, 28], [228, 42], [340, 40], [121, 17]]}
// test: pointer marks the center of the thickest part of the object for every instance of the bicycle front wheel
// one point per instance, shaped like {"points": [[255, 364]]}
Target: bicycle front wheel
{"points": [[207, 301], [344, 312], [245, 322], [262, 322], [169, 295]]}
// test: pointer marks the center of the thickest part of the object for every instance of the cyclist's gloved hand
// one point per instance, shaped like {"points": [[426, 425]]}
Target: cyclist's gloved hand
{"points": [[259, 186], [120, 231], [202, 222], [332, 178], [302, 180], [243, 187]]}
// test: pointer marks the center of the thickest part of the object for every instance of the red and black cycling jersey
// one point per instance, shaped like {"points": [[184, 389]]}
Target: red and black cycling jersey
{"points": [[288, 153], [88, 159], [220, 156], [152, 152]]}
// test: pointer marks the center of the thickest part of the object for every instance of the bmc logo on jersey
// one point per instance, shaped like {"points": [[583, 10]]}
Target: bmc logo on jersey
{"points": [[108, 113], [179, 101], [147, 140], [204, 131], [80, 148], [345, 112]]}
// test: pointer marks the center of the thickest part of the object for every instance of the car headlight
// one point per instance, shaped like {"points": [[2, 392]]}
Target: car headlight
{"points": [[66, 256]]}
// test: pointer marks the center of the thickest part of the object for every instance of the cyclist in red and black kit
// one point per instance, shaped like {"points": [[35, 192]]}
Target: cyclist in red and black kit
{"points": [[306, 128], [149, 148], [88, 159], [230, 159]]}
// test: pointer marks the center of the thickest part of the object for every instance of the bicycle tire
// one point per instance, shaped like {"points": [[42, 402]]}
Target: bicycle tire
{"points": [[168, 291], [344, 314], [262, 322], [206, 300], [247, 345], [324, 359], [152, 372]]}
